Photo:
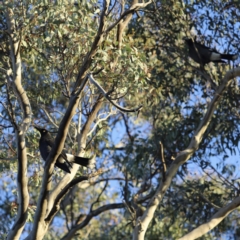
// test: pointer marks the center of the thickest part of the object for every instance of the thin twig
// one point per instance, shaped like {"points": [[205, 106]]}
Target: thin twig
{"points": [[163, 160], [93, 81], [9, 145], [99, 195], [208, 201]]}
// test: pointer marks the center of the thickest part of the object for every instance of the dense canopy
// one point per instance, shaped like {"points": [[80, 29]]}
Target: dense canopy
{"points": [[112, 81]]}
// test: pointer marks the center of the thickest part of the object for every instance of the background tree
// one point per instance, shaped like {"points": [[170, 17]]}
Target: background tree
{"points": [[113, 81]]}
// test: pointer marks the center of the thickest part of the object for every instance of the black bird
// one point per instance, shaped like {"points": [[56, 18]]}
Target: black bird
{"points": [[64, 160], [203, 54]]}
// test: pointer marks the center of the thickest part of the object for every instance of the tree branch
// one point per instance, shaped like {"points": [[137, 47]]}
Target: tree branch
{"points": [[99, 195], [15, 81], [163, 161], [40, 226], [56, 206], [133, 8], [182, 157], [88, 218], [97, 41], [208, 201], [93, 81], [64, 191], [99, 121], [57, 191], [214, 221]]}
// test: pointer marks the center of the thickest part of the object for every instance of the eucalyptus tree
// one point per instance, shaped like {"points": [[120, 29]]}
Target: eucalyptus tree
{"points": [[113, 81]]}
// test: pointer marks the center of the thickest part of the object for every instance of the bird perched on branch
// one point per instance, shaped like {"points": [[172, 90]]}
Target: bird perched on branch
{"points": [[65, 160], [203, 54]]}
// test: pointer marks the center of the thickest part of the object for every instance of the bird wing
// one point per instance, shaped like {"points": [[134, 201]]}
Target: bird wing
{"points": [[206, 48], [202, 46], [63, 155], [48, 140], [50, 143], [45, 146]]}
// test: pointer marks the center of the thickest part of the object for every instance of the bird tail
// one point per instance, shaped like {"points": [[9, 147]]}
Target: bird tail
{"points": [[85, 162], [229, 56]]}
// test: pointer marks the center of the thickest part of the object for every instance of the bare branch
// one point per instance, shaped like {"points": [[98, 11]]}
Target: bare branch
{"points": [[59, 197], [101, 120], [214, 221], [97, 41], [56, 206], [182, 157], [49, 117], [132, 9], [91, 118], [79, 126], [86, 185], [209, 202], [163, 161], [67, 178], [88, 218], [15, 78], [44, 199], [99, 195], [223, 179], [10, 108], [204, 73], [93, 81], [10, 147], [131, 138]]}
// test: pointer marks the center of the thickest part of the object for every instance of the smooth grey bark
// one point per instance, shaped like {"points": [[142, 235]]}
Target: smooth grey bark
{"points": [[14, 80], [144, 221]]}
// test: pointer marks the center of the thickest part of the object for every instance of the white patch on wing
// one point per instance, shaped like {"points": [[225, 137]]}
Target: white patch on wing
{"points": [[70, 157], [215, 56], [61, 160], [235, 57]]}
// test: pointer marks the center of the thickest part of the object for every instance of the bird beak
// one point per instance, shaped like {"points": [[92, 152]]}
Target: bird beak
{"points": [[36, 127]]}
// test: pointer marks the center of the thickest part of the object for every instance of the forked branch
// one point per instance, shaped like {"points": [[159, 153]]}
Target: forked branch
{"points": [[214, 221], [93, 81], [182, 157]]}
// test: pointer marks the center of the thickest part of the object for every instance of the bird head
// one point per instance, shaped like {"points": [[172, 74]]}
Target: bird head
{"points": [[189, 41], [41, 130]]}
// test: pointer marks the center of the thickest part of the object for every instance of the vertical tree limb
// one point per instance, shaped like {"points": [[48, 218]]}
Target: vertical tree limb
{"points": [[68, 177], [163, 161], [97, 41], [123, 24], [40, 226], [14, 79], [46, 199]]}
